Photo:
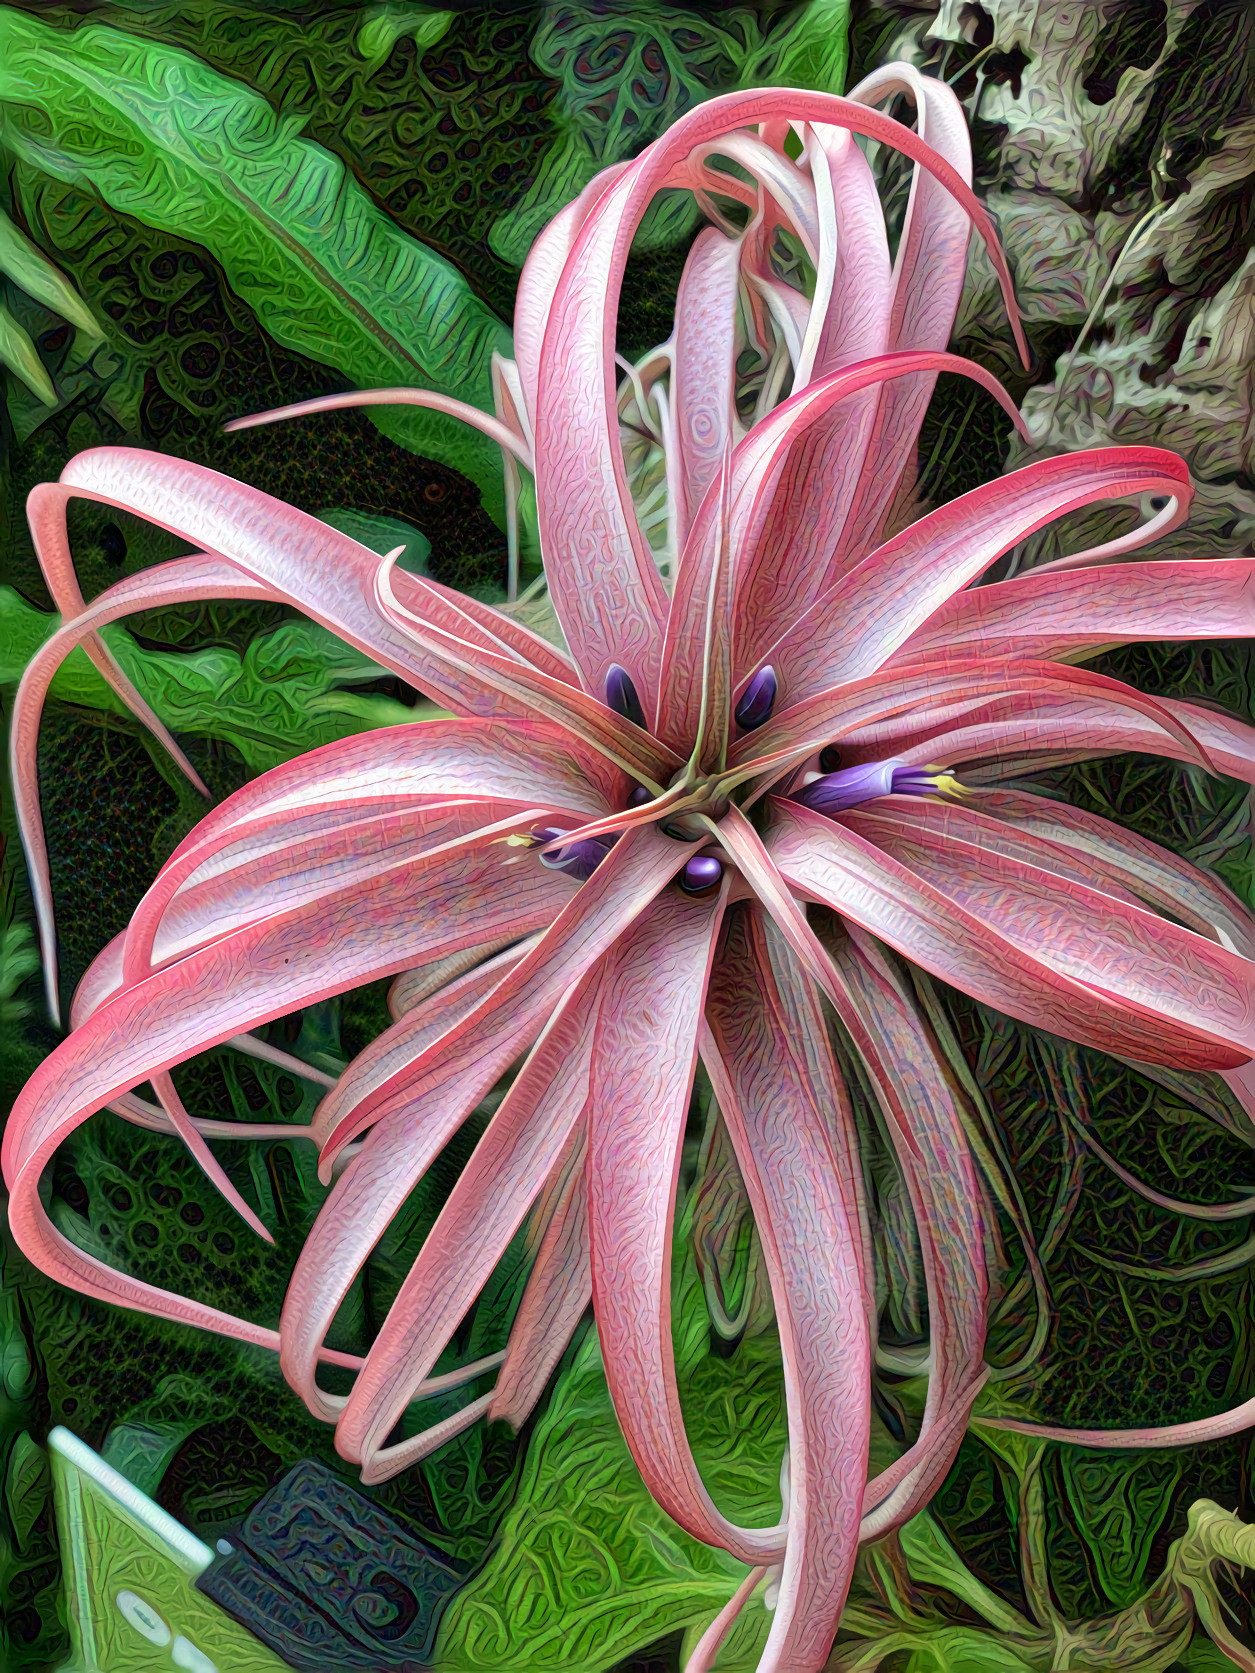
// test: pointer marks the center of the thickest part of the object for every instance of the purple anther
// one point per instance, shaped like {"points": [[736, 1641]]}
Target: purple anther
{"points": [[621, 695], [757, 700], [836, 792], [579, 860], [639, 796], [701, 873]]}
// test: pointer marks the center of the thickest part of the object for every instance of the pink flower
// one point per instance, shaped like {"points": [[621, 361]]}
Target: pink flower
{"points": [[611, 861]]}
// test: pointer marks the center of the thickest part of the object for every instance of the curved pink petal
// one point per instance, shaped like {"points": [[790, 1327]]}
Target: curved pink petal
{"points": [[391, 1055], [1075, 614], [703, 373], [618, 891], [337, 582], [181, 582], [875, 608], [946, 1200], [456, 1049], [1157, 874], [539, 280], [559, 1288], [205, 1159], [912, 712], [200, 898], [309, 564], [1019, 735], [1196, 1433], [527, 762], [1118, 948], [486, 1207], [993, 955], [412, 987], [603, 580], [927, 283], [772, 1083], [268, 969], [494, 428], [646, 1050], [765, 595]]}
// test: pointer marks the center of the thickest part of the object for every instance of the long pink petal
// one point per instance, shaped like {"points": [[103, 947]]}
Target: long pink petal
{"points": [[875, 608], [1122, 950], [603, 580], [253, 880], [643, 1065], [1067, 616], [494, 428], [412, 987], [988, 958], [1157, 874], [539, 280], [559, 1288], [770, 498], [527, 762], [181, 582], [322, 571], [813, 486], [927, 283], [1196, 1433], [946, 1199], [269, 969], [461, 1053], [704, 367], [770, 1087], [766, 596], [392, 1053], [486, 1207], [621, 887], [205, 1159], [708, 1645], [907, 711]]}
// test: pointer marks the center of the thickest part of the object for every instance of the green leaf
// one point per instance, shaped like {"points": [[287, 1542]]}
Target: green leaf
{"points": [[34, 273], [18, 353], [813, 49], [587, 1569], [383, 26], [962, 1650], [934, 1561], [1120, 1501], [161, 136], [27, 1483]]}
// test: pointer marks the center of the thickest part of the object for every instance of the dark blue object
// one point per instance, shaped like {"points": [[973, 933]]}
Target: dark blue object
{"points": [[329, 1581], [640, 796], [621, 696], [757, 700]]}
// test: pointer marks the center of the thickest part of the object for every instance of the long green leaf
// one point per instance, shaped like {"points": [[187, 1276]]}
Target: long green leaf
{"points": [[161, 136]]}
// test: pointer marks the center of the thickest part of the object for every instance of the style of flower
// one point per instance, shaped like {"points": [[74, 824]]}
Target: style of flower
{"points": [[769, 752]]}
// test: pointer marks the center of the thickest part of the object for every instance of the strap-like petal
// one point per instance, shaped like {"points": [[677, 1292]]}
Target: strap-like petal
{"points": [[486, 1207], [646, 1050], [999, 953], [773, 1080], [1064, 617], [559, 1288], [856, 625]]}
